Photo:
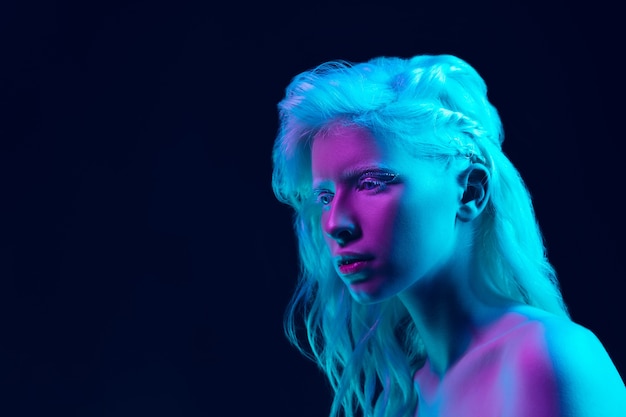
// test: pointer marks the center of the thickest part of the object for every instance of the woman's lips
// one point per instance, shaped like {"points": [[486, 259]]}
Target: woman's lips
{"points": [[352, 267], [350, 264]]}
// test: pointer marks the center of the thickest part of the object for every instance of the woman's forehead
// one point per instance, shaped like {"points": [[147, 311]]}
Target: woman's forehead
{"points": [[342, 150], [343, 147]]}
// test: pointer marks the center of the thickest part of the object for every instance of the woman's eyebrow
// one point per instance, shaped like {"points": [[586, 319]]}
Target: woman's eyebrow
{"points": [[320, 183], [351, 174], [356, 172]]}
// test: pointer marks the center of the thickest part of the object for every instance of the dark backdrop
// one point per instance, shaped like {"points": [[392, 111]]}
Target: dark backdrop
{"points": [[145, 264]]}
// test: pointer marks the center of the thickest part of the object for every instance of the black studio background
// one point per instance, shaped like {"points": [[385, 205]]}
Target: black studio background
{"points": [[145, 265]]}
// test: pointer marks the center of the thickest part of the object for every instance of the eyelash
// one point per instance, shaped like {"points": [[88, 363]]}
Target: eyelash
{"points": [[377, 179], [324, 197]]}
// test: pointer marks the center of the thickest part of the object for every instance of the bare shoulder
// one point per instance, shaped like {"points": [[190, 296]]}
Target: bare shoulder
{"points": [[558, 352]]}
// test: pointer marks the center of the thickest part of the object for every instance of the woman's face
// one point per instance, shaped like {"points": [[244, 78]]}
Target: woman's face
{"points": [[389, 219]]}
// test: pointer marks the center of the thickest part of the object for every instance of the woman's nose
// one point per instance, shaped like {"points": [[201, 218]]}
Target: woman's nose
{"points": [[340, 224]]}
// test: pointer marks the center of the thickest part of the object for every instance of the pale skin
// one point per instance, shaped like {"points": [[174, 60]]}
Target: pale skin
{"points": [[402, 227]]}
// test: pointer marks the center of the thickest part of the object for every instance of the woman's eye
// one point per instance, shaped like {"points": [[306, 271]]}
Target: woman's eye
{"points": [[375, 181], [323, 197], [369, 184]]}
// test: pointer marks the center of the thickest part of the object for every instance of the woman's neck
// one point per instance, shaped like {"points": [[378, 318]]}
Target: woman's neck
{"points": [[449, 315]]}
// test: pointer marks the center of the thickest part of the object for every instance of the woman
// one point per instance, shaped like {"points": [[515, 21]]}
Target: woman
{"points": [[424, 284]]}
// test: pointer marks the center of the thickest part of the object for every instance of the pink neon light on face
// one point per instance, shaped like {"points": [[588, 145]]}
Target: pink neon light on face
{"points": [[388, 217]]}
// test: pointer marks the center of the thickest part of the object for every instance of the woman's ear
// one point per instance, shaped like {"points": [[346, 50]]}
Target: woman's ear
{"points": [[475, 182]]}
